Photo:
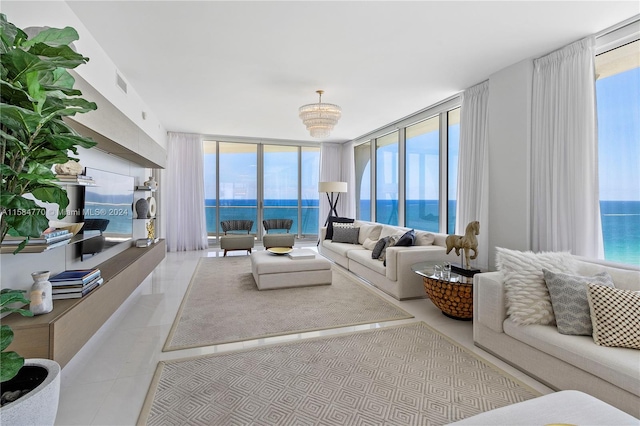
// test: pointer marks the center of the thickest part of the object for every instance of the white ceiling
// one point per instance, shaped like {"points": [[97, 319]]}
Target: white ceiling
{"points": [[243, 68]]}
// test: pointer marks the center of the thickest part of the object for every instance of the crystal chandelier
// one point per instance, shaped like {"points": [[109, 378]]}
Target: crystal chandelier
{"points": [[320, 118]]}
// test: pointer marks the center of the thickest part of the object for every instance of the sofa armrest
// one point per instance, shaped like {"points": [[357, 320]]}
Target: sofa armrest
{"points": [[400, 259], [489, 300], [323, 233]]}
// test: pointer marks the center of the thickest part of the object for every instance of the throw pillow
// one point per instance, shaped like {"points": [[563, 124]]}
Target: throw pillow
{"points": [[369, 244], [569, 300], [368, 230], [407, 239], [345, 235], [614, 316], [332, 220], [424, 238], [375, 253], [528, 300], [393, 239]]}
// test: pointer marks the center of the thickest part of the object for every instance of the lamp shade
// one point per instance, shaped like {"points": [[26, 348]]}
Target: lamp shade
{"points": [[332, 186]]}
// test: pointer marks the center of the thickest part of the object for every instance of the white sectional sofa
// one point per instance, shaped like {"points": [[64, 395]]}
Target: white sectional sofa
{"points": [[396, 278], [561, 361]]}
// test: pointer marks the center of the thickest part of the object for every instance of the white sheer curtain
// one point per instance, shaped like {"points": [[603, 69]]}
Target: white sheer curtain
{"points": [[348, 200], [564, 156], [473, 191], [184, 189], [330, 171]]}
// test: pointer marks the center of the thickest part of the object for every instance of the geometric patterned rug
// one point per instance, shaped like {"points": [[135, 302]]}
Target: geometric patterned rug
{"points": [[399, 375], [223, 305]]}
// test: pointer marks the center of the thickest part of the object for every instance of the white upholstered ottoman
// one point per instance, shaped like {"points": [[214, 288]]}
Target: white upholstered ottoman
{"points": [[564, 407], [273, 271]]}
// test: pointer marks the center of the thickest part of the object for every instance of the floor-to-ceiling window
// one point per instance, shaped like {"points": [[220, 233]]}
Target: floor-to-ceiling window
{"points": [[453, 147], [257, 181], [410, 167], [618, 104], [387, 179], [422, 175]]}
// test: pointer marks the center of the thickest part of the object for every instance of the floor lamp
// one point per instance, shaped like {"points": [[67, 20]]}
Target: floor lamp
{"points": [[333, 190]]}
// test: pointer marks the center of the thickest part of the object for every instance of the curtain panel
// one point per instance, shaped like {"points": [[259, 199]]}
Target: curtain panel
{"points": [[564, 153], [330, 171], [186, 222], [473, 172]]}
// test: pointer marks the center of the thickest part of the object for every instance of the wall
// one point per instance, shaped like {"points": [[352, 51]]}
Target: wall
{"points": [[510, 91]]}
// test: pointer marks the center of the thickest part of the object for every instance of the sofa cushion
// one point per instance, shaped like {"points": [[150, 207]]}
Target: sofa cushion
{"points": [[368, 230], [345, 235], [341, 249], [528, 300], [615, 315], [332, 220], [370, 244], [615, 365], [377, 250], [623, 278], [424, 238], [407, 239], [569, 300], [362, 257]]}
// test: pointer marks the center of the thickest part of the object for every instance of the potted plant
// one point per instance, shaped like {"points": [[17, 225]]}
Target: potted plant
{"points": [[36, 93], [31, 388]]}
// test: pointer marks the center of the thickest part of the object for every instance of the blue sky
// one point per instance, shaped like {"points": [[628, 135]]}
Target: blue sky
{"points": [[618, 98]]}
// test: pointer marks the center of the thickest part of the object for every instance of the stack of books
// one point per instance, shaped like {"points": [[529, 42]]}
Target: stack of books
{"points": [[73, 284], [49, 239], [76, 179]]}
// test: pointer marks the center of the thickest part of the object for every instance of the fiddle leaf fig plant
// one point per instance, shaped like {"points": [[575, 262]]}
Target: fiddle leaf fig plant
{"points": [[10, 362], [36, 93]]}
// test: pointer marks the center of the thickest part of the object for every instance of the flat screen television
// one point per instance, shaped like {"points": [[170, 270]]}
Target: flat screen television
{"points": [[107, 209]]}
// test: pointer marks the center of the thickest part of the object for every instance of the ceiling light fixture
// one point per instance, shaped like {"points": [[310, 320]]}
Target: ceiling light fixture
{"points": [[320, 118]]}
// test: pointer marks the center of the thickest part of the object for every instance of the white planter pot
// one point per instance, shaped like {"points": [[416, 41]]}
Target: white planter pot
{"points": [[40, 406]]}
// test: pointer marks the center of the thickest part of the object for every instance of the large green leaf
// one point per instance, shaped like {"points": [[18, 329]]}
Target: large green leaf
{"points": [[29, 119], [19, 63], [54, 37], [31, 224], [10, 363], [6, 337], [60, 56], [69, 141]]}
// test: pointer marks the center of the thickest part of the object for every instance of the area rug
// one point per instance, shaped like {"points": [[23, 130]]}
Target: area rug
{"points": [[223, 305], [399, 375]]}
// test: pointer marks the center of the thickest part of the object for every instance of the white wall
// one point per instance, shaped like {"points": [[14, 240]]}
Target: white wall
{"points": [[100, 71], [509, 147]]}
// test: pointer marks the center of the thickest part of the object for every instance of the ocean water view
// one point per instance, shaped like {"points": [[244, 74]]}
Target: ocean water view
{"points": [[620, 219]]}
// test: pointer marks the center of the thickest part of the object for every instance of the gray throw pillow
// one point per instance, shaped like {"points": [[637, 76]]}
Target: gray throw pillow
{"points": [[345, 235], [375, 253], [570, 302], [393, 239], [407, 239]]}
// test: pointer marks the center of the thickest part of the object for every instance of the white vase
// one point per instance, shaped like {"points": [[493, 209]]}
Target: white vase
{"points": [[151, 183], [40, 406], [40, 294]]}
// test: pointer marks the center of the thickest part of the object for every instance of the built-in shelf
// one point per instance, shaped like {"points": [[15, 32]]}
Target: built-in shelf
{"points": [[61, 333], [40, 248]]}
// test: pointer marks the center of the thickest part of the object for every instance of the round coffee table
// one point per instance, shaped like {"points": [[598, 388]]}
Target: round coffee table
{"points": [[453, 295]]}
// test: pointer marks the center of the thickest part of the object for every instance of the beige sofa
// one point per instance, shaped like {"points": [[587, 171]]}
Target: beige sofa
{"points": [[396, 278], [561, 361]]}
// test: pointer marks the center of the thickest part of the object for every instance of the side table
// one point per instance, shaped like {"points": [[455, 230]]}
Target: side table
{"points": [[453, 296]]}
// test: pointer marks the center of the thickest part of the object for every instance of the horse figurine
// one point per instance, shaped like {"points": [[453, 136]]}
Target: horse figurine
{"points": [[467, 242]]}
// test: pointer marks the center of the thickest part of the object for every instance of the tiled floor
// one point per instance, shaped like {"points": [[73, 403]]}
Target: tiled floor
{"points": [[107, 381]]}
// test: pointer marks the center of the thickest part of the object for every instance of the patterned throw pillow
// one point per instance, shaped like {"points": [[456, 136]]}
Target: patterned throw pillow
{"points": [[345, 235], [615, 315], [569, 300], [375, 253], [393, 239], [528, 300], [333, 220]]}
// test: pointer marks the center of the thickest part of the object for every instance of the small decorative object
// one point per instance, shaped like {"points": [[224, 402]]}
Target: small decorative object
{"points": [[142, 208], [151, 183], [152, 207], [151, 231], [71, 167], [467, 243], [40, 293]]}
